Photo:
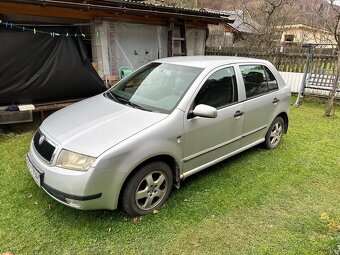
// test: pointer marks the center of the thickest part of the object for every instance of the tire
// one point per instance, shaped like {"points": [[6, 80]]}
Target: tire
{"points": [[147, 189], [275, 133]]}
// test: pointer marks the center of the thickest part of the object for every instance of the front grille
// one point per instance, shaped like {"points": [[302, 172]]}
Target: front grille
{"points": [[43, 147]]}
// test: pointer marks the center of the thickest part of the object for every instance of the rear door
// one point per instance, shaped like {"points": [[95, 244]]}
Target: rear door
{"points": [[209, 139], [261, 102]]}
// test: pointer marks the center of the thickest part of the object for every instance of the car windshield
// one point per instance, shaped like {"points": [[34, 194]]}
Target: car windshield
{"points": [[156, 87]]}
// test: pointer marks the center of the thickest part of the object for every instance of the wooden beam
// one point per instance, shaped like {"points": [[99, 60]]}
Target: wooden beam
{"points": [[47, 11], [132, 18]]}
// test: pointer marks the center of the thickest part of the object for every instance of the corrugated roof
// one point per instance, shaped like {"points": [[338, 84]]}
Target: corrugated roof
{"points": [[133, 7], [162, 5], [241, 23], [174, 8]]}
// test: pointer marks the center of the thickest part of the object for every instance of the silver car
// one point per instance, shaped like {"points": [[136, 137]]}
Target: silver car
{"points": [[166, 121]]}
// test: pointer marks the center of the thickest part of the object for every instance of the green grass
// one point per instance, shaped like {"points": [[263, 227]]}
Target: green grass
{"points": [[284, 201]]}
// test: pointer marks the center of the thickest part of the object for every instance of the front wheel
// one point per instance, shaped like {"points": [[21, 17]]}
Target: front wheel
{"points": [[147, 189], [274, 134]]}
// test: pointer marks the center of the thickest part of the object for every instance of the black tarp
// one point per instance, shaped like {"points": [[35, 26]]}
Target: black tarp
{"points": [[39, 68]]}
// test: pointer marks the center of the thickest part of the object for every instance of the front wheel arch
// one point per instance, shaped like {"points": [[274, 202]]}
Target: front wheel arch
{"points": [[170, 161], [147, 189]]}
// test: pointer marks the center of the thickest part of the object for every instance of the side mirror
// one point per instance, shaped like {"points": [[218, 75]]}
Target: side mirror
{"points": [[204, 111]]}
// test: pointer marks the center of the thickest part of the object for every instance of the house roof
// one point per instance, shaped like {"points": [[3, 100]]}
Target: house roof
{"points": [[302, 27], [131, 7], [242, 23]]}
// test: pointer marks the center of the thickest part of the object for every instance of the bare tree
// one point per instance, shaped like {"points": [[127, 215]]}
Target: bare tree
{"points": [[213, 4], [269, 15], [329, 12], [192, 4]]}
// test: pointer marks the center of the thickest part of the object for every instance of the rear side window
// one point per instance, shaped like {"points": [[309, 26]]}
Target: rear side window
{"points": [[258, 80], [272, 83], [219, 90]]}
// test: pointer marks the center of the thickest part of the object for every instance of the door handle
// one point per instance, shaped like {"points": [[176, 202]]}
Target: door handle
{"points": [[276, 100], [238, 114]]}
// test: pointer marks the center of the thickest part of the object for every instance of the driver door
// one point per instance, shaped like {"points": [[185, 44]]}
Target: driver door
{"points": [[208, 140]]}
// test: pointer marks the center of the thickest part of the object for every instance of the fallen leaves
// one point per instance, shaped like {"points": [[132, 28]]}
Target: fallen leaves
{"points": [[48, 208], [134, 220], [332, 224], [194, 243]]}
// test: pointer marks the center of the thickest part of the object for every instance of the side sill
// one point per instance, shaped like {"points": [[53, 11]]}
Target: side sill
{"points": [[197, 169]]}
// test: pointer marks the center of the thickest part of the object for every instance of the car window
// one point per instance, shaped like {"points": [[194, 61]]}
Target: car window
{"points": [[219, 90], [156, 87], [272, 83], [258, 80]]}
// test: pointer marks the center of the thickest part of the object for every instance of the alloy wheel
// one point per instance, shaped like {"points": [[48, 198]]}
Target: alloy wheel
{"points": [[151, 190], [276, 134]]}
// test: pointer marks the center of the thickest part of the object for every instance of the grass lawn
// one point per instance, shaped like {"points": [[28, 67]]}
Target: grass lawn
{"points": [[284, 201]]}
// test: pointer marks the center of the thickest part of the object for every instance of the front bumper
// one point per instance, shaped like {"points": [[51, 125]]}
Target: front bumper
{"points": [[94, 189]]}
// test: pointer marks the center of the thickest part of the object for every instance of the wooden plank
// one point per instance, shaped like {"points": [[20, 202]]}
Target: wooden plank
{"points": [[36, 10]]}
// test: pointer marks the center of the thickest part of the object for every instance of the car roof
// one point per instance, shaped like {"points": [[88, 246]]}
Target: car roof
{"points": [[208, 61]]}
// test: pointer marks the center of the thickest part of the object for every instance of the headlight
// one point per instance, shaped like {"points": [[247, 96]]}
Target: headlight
{"points": [[74, 161]]}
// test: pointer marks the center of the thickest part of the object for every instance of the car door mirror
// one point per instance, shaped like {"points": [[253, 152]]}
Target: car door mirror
{"points": [[204, 111]]}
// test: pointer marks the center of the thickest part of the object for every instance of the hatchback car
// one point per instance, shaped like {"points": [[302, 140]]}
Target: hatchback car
{"points": [[166, 121]]}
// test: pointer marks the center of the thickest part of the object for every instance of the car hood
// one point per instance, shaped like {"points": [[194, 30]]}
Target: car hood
{"points": [[94, 125]]}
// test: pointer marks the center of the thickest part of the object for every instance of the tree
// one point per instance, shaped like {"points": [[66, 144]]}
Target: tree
{"points": [[329, 12], [192, 4], [213, 4], [269, 15]]}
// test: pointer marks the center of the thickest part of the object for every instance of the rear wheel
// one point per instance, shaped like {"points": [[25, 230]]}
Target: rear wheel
{"points": [[147, 189], [275, 133]]}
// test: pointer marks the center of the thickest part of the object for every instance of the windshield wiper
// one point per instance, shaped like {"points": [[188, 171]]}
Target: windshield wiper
{"points": [[134, 105], [118, 98], [122, 100], [111, 95]]}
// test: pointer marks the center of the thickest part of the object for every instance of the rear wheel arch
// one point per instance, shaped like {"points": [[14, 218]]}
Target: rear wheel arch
{"points": [[284, 116], [274, 133]]}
